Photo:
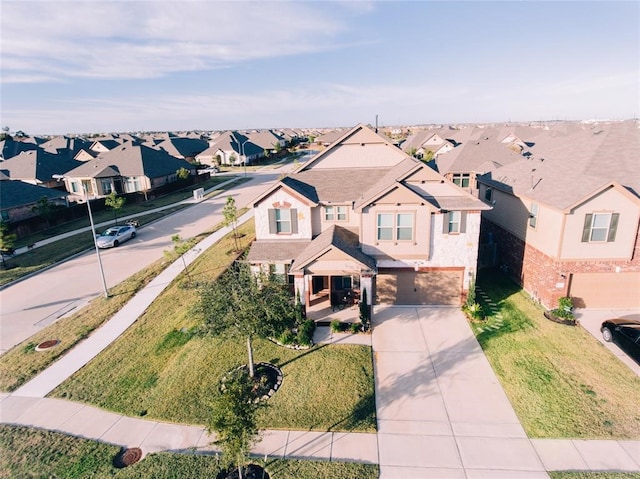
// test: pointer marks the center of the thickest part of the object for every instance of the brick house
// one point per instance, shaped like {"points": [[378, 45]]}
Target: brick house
{"points": [[566, 219], [363, 215]]}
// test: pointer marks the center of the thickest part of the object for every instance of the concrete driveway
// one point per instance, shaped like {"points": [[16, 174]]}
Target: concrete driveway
{"points": [[441, 410], [591, 320]]}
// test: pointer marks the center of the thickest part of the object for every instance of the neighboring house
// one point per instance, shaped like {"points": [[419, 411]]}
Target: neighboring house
{"points": [[103, 145], [38, 167], [232, 148], [362, 215], [267, 140], [18, 199], [566, 220], [186, 148], [425, 142], [126, 169], [66, 145]]}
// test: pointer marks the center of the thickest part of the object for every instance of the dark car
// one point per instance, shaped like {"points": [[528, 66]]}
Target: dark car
{"points": [[625, 333]]}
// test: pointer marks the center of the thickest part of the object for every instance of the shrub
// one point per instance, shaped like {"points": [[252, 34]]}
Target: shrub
{"points": [[365, 312], [564, 309], [305, 333], [336, 326], [355, 328], [287, 337], [474, 311]]}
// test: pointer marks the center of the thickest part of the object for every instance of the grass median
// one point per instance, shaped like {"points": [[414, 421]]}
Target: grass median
{"points": [[162, 367], [28, 452], [560, 380]]}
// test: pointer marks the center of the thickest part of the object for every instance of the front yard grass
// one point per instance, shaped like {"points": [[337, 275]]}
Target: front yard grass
{"points": [[163, 368], [26, 453], [560, 380]]}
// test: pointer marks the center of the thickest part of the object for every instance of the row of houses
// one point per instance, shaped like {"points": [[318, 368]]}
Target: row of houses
{"points": [[118, 163], [558, 208]]}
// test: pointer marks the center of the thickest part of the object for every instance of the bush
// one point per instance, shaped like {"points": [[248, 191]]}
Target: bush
{"points": [[287, 337], [474, 311], [336, 326], [305, 333], [355, 327], [564, 309]]}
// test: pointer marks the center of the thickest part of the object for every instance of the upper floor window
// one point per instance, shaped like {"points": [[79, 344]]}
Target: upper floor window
{"points": [[283, 221], [74, 187], [106, 187], [333, 213], [454, 222], [397, 226], [600, 227], [488, 194], [463, 180], [533, 215]]}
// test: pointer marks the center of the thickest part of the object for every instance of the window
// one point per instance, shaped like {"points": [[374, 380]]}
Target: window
{"points": [[488, 194], [132, 184], [533, 215], [279, 271], [462, 179], [404, 229], [395, 227], [74, 187], [600, 227], [332, 213], [283, 221], [106, 187], [385, 226], [454, 222]]}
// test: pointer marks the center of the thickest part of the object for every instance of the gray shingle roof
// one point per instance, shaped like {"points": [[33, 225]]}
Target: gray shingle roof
{"points": [[37, 165], [18, 193], [336, 237], [280, 251]]}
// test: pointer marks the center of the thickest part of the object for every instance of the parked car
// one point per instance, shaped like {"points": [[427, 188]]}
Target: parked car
{"points": [[115, 235], [625, 333]]}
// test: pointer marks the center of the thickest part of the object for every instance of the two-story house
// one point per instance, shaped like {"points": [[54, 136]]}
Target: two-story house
{"points": [[566, 220], [363, 215]]}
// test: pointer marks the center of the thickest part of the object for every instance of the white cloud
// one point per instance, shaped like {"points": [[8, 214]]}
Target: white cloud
{"points": [[122, 40]]}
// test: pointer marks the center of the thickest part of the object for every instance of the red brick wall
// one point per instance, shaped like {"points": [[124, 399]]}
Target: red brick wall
{"points": [[540, 274]]}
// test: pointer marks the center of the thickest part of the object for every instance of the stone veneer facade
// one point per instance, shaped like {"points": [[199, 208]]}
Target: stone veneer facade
{"points": [[546, 279]]}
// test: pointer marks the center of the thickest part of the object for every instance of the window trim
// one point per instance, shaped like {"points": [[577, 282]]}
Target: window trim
{"points": [[611, 229], [446, 222], [533, 215], [459, 178], [395, 227], [333, 213], [280, 221], [274, 221]]}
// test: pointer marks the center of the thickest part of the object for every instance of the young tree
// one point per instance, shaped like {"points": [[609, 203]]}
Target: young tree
{"points": [[180, 247], [45, 209], [234, 418], [7, 240], [116, 202], [240, 304], [230, 213]]}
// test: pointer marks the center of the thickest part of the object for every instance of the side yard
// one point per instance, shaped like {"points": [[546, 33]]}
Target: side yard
{"points": [[561, 382]]}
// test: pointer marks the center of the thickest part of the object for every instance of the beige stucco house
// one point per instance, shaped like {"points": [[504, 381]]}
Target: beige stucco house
{"points": [[363, 215], [566, 220]]}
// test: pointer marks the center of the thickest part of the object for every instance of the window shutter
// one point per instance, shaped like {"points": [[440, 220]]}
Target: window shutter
{"points": [[445, 223], [586, 230], [463, 222], [294, 221], [273, 229], [613, 226]]}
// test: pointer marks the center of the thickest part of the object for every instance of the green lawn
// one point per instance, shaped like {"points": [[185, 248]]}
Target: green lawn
{"points": [[28, 453], [163, 368], [593, 475], [560, 380]]}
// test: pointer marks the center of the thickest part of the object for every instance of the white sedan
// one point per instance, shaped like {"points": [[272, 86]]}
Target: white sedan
{"points": [[116, 235]]}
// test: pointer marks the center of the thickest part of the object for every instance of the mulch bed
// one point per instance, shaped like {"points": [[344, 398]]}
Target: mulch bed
{"points": [[555, 319], [267, 380], [50, 343]]}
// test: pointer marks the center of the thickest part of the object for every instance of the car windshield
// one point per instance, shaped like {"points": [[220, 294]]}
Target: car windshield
{"points": [[110, 233]]}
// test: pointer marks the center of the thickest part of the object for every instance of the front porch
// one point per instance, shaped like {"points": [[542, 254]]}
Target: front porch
{"points": [[321, 311]]}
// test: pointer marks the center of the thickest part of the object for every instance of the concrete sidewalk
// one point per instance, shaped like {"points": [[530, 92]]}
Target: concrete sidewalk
{"points": [[152, 436]]}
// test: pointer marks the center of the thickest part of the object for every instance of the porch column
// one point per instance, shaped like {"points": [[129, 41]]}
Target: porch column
{"points": [[366, 284], [300, 287]]}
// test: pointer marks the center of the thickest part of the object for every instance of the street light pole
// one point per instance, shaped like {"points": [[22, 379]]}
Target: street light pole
{"points": [[93, 233], [244, 158]]}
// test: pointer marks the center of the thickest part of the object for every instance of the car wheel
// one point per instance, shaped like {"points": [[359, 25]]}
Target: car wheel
{"points": [[606, 335], [133, 235], [116, 243]]}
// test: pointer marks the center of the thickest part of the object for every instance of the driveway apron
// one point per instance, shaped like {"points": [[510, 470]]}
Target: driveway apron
{"points": [[441, 410]]}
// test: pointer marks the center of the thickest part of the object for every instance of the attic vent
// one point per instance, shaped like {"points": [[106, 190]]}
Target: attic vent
{"points": [[361, 144]]}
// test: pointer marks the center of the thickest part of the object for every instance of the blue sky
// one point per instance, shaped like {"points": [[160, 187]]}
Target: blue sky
{"points": [[73, 67]]}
